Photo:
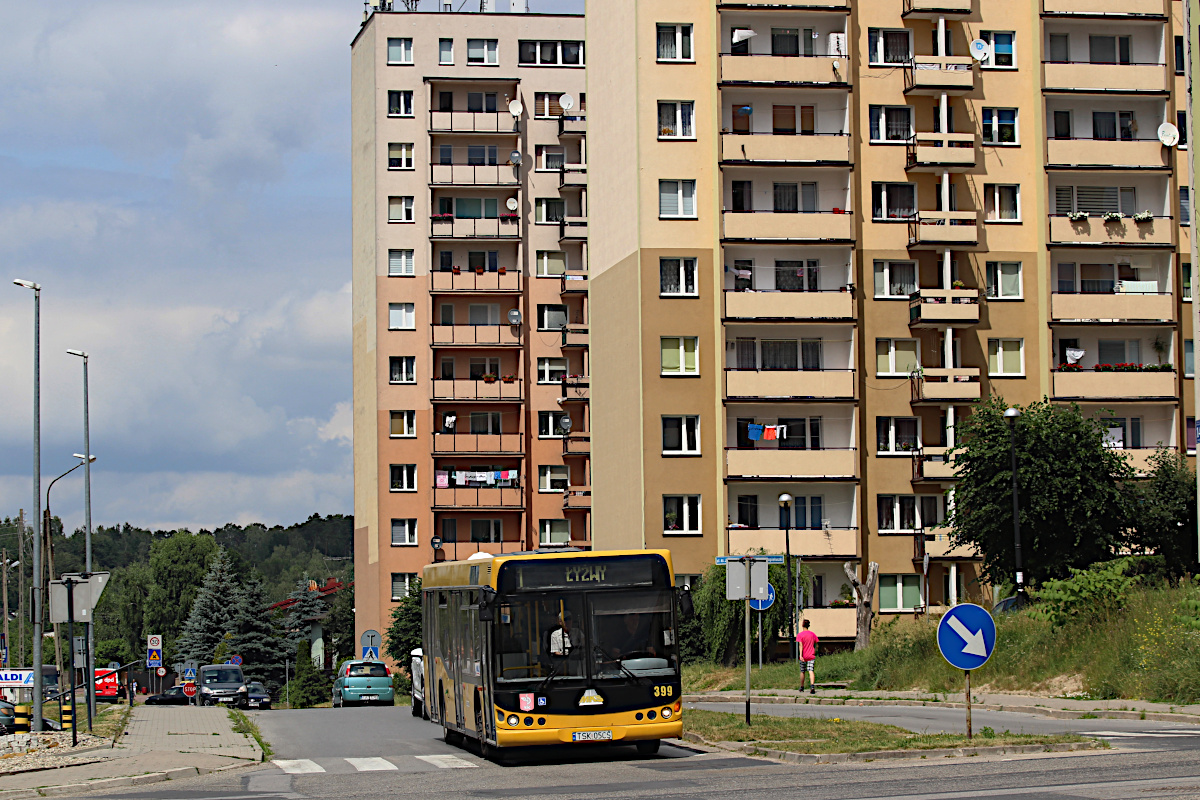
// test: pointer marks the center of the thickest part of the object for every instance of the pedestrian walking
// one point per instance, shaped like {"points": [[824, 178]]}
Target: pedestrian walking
{"points": [[808, 657]]}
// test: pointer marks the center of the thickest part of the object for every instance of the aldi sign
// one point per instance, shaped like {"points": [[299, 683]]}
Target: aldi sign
{"points": [[16, 679]]}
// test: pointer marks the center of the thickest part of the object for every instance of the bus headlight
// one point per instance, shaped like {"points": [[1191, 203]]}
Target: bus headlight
{"points": [[514, 720], [666, 713]]}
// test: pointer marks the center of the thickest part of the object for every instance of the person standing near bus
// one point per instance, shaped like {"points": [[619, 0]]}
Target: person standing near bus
{"points": [[808, 657]]}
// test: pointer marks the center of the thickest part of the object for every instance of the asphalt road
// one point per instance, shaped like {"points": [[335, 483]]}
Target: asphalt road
{"points": [[356, 753]]}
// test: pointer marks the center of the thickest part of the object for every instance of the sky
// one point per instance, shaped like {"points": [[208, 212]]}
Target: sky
{"points": [[177, 178]]}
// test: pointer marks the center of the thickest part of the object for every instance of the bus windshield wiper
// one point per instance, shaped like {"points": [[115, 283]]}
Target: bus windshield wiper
{"points": [[553, 671], [604, 657]]}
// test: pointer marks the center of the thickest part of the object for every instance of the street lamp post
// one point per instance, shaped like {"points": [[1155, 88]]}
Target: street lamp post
{"points": [[89, 666], [37, 501], [1012, 415], [785, 516], [48, 525]]}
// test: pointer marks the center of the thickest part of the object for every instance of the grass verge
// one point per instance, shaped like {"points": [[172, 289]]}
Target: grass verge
{"points": [[246, 726], [835, 735], [110, 722]]}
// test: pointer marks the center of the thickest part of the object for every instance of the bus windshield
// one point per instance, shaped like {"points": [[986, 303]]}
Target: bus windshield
{"points": [[632, 632]]}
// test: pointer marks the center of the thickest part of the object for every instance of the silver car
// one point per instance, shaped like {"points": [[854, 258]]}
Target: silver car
{"points": [[417, 670]]}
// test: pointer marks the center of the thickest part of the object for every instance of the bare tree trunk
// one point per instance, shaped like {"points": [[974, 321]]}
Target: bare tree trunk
{"points": [[863, 594]]}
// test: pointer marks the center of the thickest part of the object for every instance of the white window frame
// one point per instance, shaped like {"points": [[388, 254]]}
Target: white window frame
{"points": [[685, 420], [987, 63], [406, 51], [990, 118], [883, 126], [405, 361], [892, 355], [1000, 357], [409, 579], [899, 583], [988, 266], [682, 195], [941, 501], [548, 473], [875, 59], [408, 478], [495, 530], [682, 31], [408, 320], [406, 155], [685, 265], [887, 205], [892, 450], [410, 532], [677, 106], [994, 190], [543, 263], [404, 258], [1189, 344], [553, 417], [407, 213], [682, 362], [886, 264], [408, 419], [540, 153], [539, 210], [491, 53], [445, 55], [546, 369], [546, 532], [406, 104], [684, 529]]}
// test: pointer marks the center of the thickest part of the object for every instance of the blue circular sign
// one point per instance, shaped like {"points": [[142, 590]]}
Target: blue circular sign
{"points": [[967, 636], [236, 660], [763, 605]]}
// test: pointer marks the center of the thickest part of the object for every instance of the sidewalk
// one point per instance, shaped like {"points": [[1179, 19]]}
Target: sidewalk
{"points": [[160, 743]]}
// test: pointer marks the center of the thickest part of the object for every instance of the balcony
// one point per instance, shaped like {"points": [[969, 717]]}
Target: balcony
{"points": [[1084, 76], [777, 462], [573, 229], [932, 9], [936, 543], [574, 282], [471, 281], [933, 75], [932, 464], [1139, 459], [840, 543], [1139, 153], [575, 336], [783, 5], [1126, 306], [1093, 385], [762, 68], [572, 126], [941, 152], [1095, 231], [940, 385], [1093, 8], [513, 392], [772, 148], [473, 175], [577, 443], [482, 335], [819, 226], [577, 498], [833, 623], [509, 228], [460, 551], [790, 305], [473, 122], [935, 230], [572, 176], [940, 308], [576, 389], [828, 384], [473, 443], [482, 497]]}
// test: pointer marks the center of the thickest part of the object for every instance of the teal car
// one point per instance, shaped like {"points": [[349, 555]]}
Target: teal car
{"points": [[363, 683]]}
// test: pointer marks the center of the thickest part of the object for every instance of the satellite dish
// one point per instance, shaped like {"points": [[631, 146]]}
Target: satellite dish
{"points": [[980, 50], [515, 108], [567, 102], [514, 316], [511, 204], [564, 424], [742, 34], [1168, 134], [514, 157]]}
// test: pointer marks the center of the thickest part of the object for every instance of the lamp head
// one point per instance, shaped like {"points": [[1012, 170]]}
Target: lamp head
{"points": [[1012, 413], [81, 457], [785, 499], [79, 353], [37, 287]]}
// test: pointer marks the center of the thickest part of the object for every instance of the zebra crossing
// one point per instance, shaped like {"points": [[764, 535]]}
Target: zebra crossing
{"points": [[415, 763], [1157, 738]]}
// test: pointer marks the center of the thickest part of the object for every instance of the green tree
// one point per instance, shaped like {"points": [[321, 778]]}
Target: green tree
{"points": [[310, 686], [212, 613], [1073, 490], [120, 635], [723, 621], [178, 565], [1165, 518], [339, 625], [307, 607], [256, 637], [403, 634]]}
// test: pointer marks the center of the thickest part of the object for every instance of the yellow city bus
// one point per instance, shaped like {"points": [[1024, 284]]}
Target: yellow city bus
{"points": [[553, 647]]}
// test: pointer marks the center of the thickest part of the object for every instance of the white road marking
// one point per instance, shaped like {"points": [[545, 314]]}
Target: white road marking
{"points": [[1139, 734], [299, 766], [371, 764], [447, 762]]}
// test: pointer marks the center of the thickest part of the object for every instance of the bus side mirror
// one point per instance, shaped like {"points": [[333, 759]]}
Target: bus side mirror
{"points": [[487, 607], [686, 606]]}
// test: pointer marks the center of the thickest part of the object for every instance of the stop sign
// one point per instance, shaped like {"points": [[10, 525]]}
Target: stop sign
{"points": [[189, 689]]}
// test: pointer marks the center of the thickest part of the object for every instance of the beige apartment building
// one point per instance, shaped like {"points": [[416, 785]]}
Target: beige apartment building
{"points": [[822, 229], [470, 310]]}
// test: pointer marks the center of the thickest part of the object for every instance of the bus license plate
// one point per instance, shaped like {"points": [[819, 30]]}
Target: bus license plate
{"points": [[591, 736]]}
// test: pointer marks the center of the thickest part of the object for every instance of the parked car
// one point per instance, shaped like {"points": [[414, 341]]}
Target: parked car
{"points": [[223, 683], [363, 682], [171, 697], [258, 697], [8, 717], [417, 670]]}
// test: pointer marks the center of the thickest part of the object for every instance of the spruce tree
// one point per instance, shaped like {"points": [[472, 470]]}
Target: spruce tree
{"points": [[211, 616], [255, 636], [308, 607], [310, 686]]}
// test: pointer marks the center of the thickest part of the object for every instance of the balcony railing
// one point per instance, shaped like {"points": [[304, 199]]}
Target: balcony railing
{"points": [[572, 126], [473, 122], [572, 176], [1125, 305], [574, 282], [479, 390], [941, 152], [449, 443], [935, 542], [933, 464], [805, 543], [473, 175], [936, 384], [1091, 152], [479, 497], [1074, 76], [577, 498], [832, 304], [766, 68], [781, 462], [786, 148], [476, 280], [938, 229], [836, 226], [1096, 230], [576, 389], [443, 228], [952, 75], [1105, 385], [935, 308], [834, 623], [832, 384], [936, 8], [577, 443], [575, 336], [1092, 8], [483, 335], [460, 551], [572, 229]]}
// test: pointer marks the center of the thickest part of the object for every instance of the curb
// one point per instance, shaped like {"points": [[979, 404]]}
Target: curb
{"points": [[113, 783]]}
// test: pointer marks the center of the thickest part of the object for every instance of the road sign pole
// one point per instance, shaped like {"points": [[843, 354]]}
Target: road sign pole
{"points": [[967, 672], [71, 675], [747, 653], [760, 639]]}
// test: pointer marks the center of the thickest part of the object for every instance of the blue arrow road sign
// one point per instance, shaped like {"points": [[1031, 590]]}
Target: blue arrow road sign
{"points": [[967, 636], [763, 605], [154, 658]]}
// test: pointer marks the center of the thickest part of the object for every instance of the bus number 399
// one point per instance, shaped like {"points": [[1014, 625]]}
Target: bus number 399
{"points": [[664, 691]]}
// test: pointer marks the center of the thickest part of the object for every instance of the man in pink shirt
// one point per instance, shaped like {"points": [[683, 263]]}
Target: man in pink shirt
{"points": [[808, 657]]}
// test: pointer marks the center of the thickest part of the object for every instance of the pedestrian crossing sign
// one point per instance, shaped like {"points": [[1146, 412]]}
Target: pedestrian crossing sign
{"points": [[370, 654], [154, 658], [189, 675]]}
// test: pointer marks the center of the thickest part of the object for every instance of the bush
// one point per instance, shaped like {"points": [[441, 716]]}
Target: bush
{"points": [[1097, 591], [401, 682], [722, 622], [310, 687]]}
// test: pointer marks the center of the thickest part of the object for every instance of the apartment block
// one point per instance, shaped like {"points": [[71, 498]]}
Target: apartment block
{"points": [[823, 229], [470, 310]]}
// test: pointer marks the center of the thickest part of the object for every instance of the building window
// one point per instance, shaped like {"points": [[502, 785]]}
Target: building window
{"points": [[1182, 126], [1004, 54], [549, 210], [681, 436], [893, 201], [404, 424], [679, 355], [551, 370], [551, 263], [677, 199], [402, 369], [550, 424], [675, 119], [1185, 206], [482, 51], [897, 357], [547, 105], [895, 279], [1097, 200], [404, 532], [550, 54], [400, 155], [1002, 202], [886, 46], [400, 263], [897, 435], [1004, 280], [1006, 357], [1186, 273], [677, 277], [404, 477], [681, 513], [555, 532], [400, 209], [553, 478], [1191, 435], [445, 51], [487, 530], [402, 317], [551, 317], [899, 592], [1180, 59], [548, 158], [401, 581], [891, 123], [400, 104], [999, 125], [399, 51], [897, 513], [675, 43]]}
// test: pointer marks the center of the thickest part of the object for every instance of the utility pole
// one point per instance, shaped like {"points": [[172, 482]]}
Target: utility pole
{"points": [[7, 641], [21, 586], [1188, 44], [48, 549]]}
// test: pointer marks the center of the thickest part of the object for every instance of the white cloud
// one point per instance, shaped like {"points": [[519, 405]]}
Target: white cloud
{"points": [[340, 427]]}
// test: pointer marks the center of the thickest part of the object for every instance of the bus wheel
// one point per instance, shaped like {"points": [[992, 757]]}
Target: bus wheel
{"points": [[648, 747], [485, 750], [448, 736]]}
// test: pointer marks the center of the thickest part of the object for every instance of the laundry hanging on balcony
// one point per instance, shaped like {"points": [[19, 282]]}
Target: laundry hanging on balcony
{"points": [[476, 478], [441, 479], [756, 432]]}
